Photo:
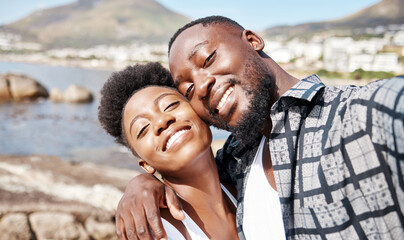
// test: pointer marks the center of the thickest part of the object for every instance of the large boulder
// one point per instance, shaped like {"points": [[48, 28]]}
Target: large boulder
{"points": [[14, 226], [77, 94], [56, 95], [23, 87], [100, 229], [5, 94], [55, 225]]}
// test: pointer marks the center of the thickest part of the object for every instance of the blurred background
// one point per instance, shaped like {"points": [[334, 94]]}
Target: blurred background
{"points": [[55, 55], [63, 42]]}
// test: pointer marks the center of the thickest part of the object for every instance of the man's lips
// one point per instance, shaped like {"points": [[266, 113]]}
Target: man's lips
{"points": [[220, 98], [224, 98], [173, 136]]}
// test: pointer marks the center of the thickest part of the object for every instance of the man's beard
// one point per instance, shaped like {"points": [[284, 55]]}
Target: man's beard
{"points": [[252, 122]]}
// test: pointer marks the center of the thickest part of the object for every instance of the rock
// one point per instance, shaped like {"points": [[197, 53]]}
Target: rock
{"points": [[14, 226], [59, 200], [56, 95], [4, 89], [77, 94], [54, 225], [100, 229], [23, 87]]}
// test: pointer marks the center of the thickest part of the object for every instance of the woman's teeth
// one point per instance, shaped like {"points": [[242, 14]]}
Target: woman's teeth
{"points": [[224, 98], [175, 137]]}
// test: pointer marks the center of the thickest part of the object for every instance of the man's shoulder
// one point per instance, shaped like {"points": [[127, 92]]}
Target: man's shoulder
{"points": [[379, 91], [386, 93]]}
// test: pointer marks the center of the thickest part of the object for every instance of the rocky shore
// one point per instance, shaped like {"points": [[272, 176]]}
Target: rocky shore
{"points": [[44, 197]]}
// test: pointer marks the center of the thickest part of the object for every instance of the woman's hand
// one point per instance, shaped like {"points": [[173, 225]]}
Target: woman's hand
{"points": [[140, 206]]}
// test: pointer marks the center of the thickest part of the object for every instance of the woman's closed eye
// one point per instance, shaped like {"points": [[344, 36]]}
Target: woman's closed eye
{"points": [[172, 106], [142, 131]]}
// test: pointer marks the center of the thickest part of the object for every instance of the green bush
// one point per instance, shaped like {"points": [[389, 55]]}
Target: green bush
{"points": [[362, 74], [328, 74]]}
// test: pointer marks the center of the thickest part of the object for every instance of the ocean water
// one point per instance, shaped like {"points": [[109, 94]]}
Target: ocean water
{"points": [[71, 131]]}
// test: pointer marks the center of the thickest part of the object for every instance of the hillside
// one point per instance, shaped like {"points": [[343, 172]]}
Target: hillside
{"points": [[86, 23], [380, 14]]}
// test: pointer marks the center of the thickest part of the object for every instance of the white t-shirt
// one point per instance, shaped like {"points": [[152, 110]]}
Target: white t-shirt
{"points": [[262, 210], [193, 229]]}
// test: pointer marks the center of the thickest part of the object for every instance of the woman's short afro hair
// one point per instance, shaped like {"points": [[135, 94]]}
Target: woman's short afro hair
{"points": [[120, 87]]}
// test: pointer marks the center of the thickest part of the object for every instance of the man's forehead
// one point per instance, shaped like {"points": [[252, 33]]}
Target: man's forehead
{"points": [[202, 33]]}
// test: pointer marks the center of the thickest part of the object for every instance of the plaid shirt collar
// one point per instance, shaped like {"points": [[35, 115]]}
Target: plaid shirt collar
{"points": [[304, 90]]}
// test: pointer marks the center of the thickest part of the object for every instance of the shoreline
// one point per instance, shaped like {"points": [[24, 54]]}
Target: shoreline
{"points": [[44, 197], [103, 65], [95, 64]]}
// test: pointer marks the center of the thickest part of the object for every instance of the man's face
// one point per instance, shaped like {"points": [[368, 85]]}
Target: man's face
{"points": [[217, 71]]}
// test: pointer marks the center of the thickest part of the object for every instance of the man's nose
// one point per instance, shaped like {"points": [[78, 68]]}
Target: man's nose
{"points": [[162, 122], [204, 86]]}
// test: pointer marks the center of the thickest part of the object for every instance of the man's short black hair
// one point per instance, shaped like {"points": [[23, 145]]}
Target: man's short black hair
{"points": [[206, 21], [118, 89]]}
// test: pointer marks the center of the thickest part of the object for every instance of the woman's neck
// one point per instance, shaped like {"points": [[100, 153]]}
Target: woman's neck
{"points": [[199, 184], [199, 188]]}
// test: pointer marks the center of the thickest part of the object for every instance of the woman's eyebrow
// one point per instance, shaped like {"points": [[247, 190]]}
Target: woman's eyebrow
{"points": [[133, 121], [157, 100]]}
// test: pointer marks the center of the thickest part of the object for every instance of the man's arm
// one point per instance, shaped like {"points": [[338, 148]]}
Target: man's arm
{"points": [[140, 206]]}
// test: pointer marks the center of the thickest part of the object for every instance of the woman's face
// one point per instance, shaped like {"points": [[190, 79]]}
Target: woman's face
{"points": [[164, 130]]}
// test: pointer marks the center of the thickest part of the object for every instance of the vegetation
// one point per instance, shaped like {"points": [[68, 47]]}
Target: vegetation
{"points": [[362, 74], [328, 74], [358, 74]]}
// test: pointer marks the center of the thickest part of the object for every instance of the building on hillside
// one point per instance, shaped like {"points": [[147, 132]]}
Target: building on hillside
{"points": [[335, 53], [398, 38]]}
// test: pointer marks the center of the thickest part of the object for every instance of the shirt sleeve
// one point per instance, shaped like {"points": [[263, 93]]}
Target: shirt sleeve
{"points": [[388, 128]]}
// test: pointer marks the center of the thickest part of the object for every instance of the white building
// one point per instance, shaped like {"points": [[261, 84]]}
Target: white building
{"points": [[364, 61], [386, 62], [398, 38], [335, 53]]}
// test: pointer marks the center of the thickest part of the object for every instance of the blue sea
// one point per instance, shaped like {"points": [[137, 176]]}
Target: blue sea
{"points": [[70, 131]]}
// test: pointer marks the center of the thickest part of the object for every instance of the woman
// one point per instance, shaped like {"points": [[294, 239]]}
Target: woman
{"points": [[160, 127]]}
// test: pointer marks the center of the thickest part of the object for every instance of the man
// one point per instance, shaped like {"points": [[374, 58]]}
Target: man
{"points": [[335, 153]]}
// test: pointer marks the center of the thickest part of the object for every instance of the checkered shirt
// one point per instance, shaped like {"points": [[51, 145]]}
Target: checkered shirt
{"points": [[338, 160]]}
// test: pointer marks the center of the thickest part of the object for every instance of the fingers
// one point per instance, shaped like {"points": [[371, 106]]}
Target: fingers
{"points": [[142, 229], [120, 228], [174, 204], [153, 216], [129, 228]]}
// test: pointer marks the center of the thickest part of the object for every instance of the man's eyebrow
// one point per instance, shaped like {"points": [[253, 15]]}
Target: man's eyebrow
{"points": [[196, 48], [156, 101]]}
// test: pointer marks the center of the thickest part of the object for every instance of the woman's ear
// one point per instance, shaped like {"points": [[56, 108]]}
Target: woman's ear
{"points": [[143, 164], [256, 42]]}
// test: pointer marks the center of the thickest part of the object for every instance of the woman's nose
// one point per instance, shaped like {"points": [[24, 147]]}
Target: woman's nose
{"points": [[163, 121]]}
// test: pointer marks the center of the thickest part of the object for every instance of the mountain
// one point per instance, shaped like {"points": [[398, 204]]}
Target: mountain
{"points": [[380, 14], [86, 23]]}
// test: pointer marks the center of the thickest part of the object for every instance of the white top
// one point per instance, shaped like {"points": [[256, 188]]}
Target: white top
{"points": [[194, 230], [262, 209]]}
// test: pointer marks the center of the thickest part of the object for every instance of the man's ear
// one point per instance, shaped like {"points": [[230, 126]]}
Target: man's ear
{"points": [[143, 164], [256, 42]]}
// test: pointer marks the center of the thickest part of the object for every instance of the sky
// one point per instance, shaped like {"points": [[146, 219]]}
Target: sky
{"points": [[252, 14]]}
